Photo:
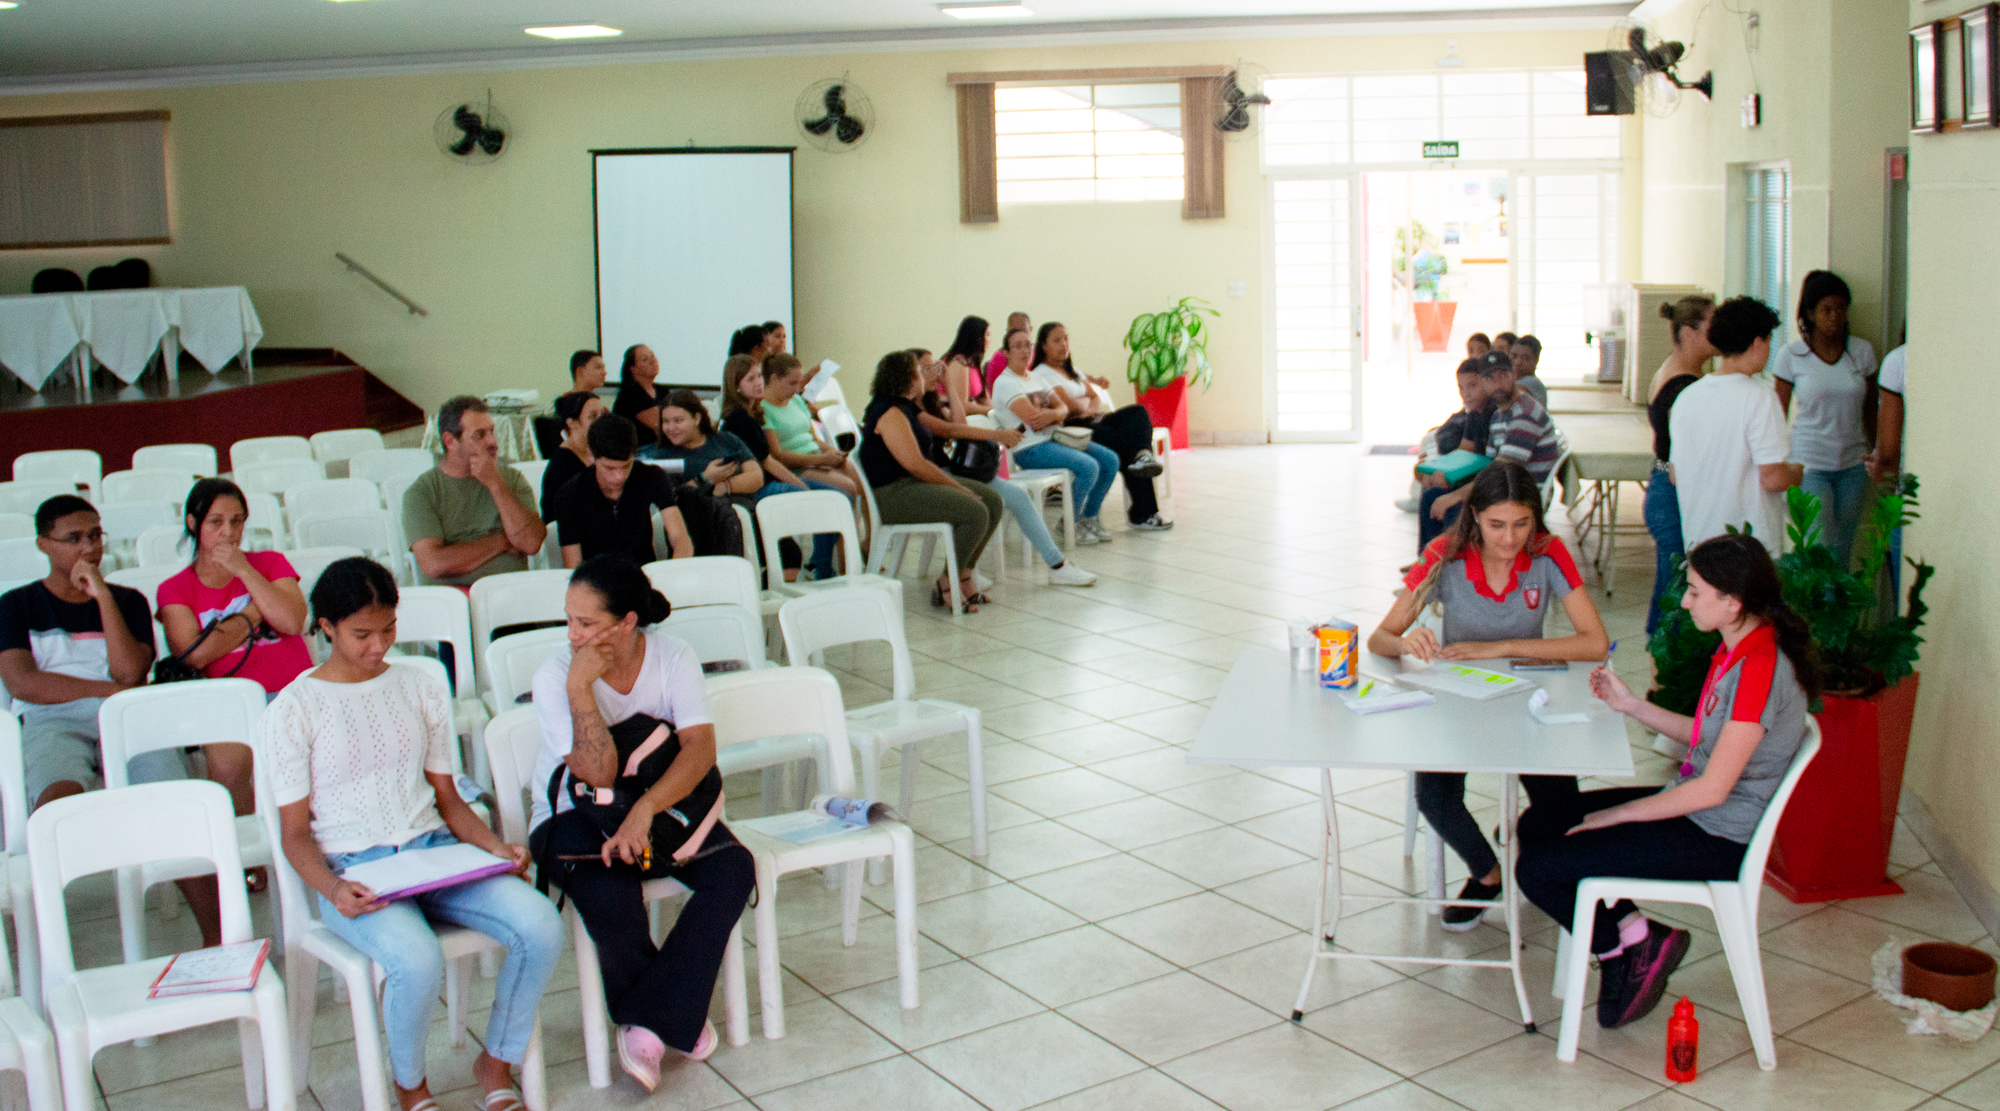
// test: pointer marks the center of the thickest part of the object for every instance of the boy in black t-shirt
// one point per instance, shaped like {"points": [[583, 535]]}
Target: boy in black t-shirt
{"points": [[67, 643], [607, 508]]}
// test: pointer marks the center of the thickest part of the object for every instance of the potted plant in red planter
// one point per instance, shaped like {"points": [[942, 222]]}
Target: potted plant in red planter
{"points": [[1419, 267], [1833, 842], [1168, 350]]}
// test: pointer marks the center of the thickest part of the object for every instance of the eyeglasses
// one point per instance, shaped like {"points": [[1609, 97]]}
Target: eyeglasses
{"points": [[94, 536]]}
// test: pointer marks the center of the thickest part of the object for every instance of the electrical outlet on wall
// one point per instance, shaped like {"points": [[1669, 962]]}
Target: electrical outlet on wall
{"points": [[1239, 288], [1753, 110]]}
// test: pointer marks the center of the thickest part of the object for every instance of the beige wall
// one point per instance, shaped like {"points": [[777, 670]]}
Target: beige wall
{"points": [[269, 180]]}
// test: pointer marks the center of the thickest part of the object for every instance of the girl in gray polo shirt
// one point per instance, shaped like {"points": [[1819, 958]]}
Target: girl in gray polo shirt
{"points": [[1748, 725], [1493, 579]]}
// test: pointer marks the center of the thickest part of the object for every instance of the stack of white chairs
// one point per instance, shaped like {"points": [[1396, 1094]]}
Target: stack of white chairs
{"points": [[76, 466], [513, 740], [752, 708], [305, 944], [265, 449], [194, 459], [102, 831]]}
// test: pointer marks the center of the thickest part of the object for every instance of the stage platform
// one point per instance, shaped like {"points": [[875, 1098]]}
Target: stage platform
{"points": [[291, 392]]}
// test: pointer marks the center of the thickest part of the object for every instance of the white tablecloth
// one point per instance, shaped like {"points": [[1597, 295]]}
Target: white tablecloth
{"points": [[123, 328]]}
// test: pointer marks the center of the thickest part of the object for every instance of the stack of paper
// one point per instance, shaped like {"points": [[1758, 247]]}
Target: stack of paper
{"points": [[223, 968]]}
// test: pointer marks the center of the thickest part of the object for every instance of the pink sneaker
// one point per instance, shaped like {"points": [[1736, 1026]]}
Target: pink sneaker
{"points": [[639, 1053], [703, 1046]]}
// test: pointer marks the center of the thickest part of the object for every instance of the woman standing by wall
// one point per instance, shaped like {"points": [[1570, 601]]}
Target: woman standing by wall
{"points": [[1830, 376], [1687, 318]]}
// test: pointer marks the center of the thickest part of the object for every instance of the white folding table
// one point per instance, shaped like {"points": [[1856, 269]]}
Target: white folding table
{"points": [[1269, 715]]}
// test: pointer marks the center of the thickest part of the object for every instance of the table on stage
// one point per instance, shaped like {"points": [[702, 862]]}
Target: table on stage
{"points": [[122, 328], [1271, 715], [1606, 449]]}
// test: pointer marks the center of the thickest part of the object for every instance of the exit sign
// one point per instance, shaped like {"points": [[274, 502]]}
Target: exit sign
{"points": [[1444, 149]]}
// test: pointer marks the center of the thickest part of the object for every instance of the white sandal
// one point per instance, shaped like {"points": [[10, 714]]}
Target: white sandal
{"points": [[511, 1095]]}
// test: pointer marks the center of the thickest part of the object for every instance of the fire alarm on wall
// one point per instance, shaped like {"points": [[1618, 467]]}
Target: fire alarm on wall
{"points": [[1753, 110]]}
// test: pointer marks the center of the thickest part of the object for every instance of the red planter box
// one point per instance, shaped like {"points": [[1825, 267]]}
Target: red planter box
{"points": [[1434, 322], [1833, 842], [1168, 408]]}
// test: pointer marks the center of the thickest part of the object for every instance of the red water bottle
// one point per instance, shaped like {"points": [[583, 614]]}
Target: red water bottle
{"points": [[1683, 1042]]}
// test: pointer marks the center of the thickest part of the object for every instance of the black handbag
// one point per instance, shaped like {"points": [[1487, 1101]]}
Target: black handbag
{"points": [[176, 669], [978, 460], [646, 748]]}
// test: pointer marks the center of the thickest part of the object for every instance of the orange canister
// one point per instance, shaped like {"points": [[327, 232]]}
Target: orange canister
{"points": [[1339, 653]]}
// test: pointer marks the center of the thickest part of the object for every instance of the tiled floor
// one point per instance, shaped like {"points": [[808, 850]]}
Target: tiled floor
{"points": [[1135, 936]]}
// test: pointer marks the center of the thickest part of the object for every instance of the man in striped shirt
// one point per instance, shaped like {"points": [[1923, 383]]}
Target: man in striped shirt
{"points": [[1520, 430]]}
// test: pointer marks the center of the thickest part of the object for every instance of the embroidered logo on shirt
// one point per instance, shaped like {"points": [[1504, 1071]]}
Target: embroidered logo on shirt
{"points": [[1533, 596], [1714, 699]]}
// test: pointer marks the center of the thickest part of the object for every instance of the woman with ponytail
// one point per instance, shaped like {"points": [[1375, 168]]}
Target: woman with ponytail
{"points": [[1687, 321], [613, 669], [1493, 580], [1748, 725]]}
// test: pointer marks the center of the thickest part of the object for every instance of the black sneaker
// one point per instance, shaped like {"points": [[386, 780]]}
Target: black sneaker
{"points": [[1647, 968], [1612, 988], [1460, 919], [1155, 523], [1147, 464]]}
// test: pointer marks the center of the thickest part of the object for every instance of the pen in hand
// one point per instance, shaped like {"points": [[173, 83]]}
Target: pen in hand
{"points": [[1608, 653]]}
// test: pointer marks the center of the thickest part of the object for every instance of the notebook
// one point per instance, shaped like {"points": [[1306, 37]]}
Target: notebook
{"points": [[419, 870], [1467, 682], [222, 968], [1455, 466]]}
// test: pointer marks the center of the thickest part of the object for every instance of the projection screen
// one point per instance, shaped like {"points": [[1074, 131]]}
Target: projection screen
{"points": [[692, 244]]}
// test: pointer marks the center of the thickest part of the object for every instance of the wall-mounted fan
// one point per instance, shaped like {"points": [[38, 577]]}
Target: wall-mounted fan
{"points": [[1240, 99], [471, 132], [835, 115], [1653, 70]]}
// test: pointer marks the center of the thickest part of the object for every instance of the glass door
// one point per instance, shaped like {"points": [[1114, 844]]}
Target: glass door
{"points": [[1565, 236], [1314, 328]]}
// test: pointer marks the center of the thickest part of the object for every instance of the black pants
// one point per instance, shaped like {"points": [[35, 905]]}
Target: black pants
{"points": [[1128, 432], [1441, 799], [665, 988], [1554, 861]]}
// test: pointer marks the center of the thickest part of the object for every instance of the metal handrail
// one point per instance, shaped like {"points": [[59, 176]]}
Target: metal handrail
{"points": [[380, 284]]}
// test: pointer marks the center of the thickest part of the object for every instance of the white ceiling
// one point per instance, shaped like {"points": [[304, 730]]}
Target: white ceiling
{"points": [[44, 39]]}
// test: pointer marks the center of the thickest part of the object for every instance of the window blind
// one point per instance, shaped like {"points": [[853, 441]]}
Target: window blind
{"points": [[80, 181]]}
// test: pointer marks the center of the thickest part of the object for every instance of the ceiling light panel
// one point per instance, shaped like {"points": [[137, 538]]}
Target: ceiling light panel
{"points": [[575, 31]]}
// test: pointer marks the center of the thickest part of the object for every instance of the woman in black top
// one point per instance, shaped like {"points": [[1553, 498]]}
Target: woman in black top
{"points": [[578, 411], [1688, 317], [742, 417], [637, 400], [896, 456]]}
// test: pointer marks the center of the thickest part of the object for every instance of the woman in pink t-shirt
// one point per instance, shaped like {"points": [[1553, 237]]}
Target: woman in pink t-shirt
{"points": [[240, 593]]}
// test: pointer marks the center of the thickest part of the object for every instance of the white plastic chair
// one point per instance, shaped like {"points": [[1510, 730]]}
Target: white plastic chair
{"points": [[29, 1046], [508, 664], [310, 563], [334, 495], [1733, 902], [513, 740], [441, 615], [882, 538], [378, 465], [551, 554], [265, 515], [27, 495], [904, 722], [176, 715], [265, 449], [150, 484], [92, 1008], [343, 444], [831, 393], [20, 559], [1038, 482], [532, 470], [777, 705], [195, 459], [768, 600], [124, 522], [516, 598], [146, 580], [275, 476], [706, 581], [720, 634], [805, 515], [838, 421], [160, 546], [76, 466], [371, 530], [16, 891], [17, 526], [305, 943]]}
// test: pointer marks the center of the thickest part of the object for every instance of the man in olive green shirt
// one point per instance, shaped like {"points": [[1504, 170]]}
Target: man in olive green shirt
{"points": [[471, 516]]}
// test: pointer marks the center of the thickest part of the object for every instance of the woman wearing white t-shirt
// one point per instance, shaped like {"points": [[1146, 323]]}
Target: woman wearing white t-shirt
{"points": [[1023, 399], [1729, 441], [1826, 383], [359, 752], [613, 669]]}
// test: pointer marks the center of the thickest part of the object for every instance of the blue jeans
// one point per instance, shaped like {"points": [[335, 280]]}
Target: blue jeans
{"points": [[1095, 470], [1029, 516], [400, 939], [1841, 495], [1663, 520]]}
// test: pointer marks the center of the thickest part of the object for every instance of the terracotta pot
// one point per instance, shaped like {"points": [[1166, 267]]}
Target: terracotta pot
{"points": [[1955, 977], [1833, 842], [1168, 408], [1434, 323]]}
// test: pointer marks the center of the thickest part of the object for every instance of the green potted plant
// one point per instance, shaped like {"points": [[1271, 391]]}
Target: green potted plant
{"points": [[1420, 269], [1169, 349], [1833, 842]]}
